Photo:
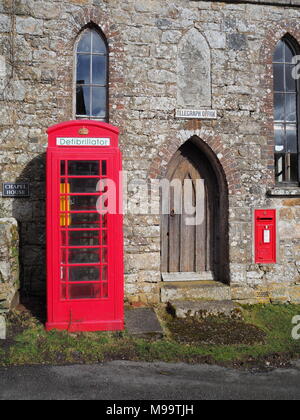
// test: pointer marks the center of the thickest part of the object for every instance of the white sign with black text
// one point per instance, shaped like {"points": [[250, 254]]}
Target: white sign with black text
{"points": [[199, 114], [82, 141]]}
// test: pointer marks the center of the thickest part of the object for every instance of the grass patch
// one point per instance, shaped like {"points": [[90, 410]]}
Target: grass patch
{"points": [[262, 340]]}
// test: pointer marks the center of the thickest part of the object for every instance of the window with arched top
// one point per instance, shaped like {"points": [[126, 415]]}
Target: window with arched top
{"points": [[92, 76], [286, 112]]}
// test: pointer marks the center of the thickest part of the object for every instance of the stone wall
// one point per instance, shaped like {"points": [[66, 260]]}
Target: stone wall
{"points": [[147, 40], [9, 264]]}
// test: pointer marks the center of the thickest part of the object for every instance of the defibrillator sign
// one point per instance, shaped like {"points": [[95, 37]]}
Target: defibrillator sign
{"points": [[82, 141]]}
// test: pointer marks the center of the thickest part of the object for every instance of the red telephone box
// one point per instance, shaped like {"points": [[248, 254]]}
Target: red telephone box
{"points": [[265, 236], [84, 228]]}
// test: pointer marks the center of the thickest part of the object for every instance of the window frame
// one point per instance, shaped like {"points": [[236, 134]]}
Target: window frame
{"points": [[295, 48], [91, 28]]}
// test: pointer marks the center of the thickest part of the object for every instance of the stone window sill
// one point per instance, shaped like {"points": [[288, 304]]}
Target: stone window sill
{"points": [[284, 192]]}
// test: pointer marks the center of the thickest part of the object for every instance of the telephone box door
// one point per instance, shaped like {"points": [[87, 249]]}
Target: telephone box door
{"points": [[86, 242]]}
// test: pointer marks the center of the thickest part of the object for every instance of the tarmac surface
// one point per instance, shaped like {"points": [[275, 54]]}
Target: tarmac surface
{"points": [[122, 380]]}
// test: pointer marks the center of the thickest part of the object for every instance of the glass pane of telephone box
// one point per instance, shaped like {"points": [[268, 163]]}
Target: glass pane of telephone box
{"points": [[84, 256], [84, 221], [104, 273], [63, 167], [104, 255], [83, 185], [83, 203], [84, 291], [83, 168], [84, 238], [104, 237], [78, 274]]}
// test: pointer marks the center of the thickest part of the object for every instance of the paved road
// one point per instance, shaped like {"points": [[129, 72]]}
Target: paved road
{"points": [[146, 381]]}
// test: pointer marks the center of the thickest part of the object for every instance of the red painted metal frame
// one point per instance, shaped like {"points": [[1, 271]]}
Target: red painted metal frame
{"points": [[87, 314], [265, 237]]}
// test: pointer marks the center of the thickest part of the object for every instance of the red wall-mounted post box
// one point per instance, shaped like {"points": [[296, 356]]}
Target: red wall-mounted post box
{"points": [[265, 236], [85, 284]]}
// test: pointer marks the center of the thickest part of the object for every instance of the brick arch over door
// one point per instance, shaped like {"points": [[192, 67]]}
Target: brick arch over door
{"points": [[210, 242], [222, 156]]}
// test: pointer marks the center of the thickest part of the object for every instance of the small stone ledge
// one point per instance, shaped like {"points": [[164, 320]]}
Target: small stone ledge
{"points": [[284, 192], [2, 328], [143, 323], [9, 264]]}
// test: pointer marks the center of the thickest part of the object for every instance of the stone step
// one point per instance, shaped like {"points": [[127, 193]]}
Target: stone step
{"points": [[195, 290], [203, 309], [143, 323], [172, 277]]}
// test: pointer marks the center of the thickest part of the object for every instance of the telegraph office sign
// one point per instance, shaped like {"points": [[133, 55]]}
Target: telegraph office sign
{"points": [[15, 190], [199, 114]]}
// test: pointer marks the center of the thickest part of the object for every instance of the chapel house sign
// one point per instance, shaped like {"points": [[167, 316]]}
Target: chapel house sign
{"points": [[15, 190]]}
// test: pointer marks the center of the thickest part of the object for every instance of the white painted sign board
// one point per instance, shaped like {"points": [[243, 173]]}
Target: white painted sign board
{"points": [[82, 141], [199, 114]]}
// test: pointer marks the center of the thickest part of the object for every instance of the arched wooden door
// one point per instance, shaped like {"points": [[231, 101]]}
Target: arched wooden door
{"points": [[186, 247]]}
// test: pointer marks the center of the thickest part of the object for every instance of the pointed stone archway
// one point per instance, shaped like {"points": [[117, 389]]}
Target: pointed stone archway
{"points": [[201, 249]]}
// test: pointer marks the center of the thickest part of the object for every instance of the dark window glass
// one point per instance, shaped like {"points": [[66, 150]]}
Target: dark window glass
{"points": [[92, 76], [279, 77], [83, 185], [279, 52], [83, 100], [279, 106], [83, 202], [291, 85], [83, 168], [83, 69], [84, 256], [99, 70], [285, 114], [81, 238]]}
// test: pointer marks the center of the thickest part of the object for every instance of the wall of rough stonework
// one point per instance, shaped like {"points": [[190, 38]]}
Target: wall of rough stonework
{"points": [[9, 264], [146, 81]]}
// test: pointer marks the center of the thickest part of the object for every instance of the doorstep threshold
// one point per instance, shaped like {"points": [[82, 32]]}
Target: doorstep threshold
{"points": [[182, 277]]}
